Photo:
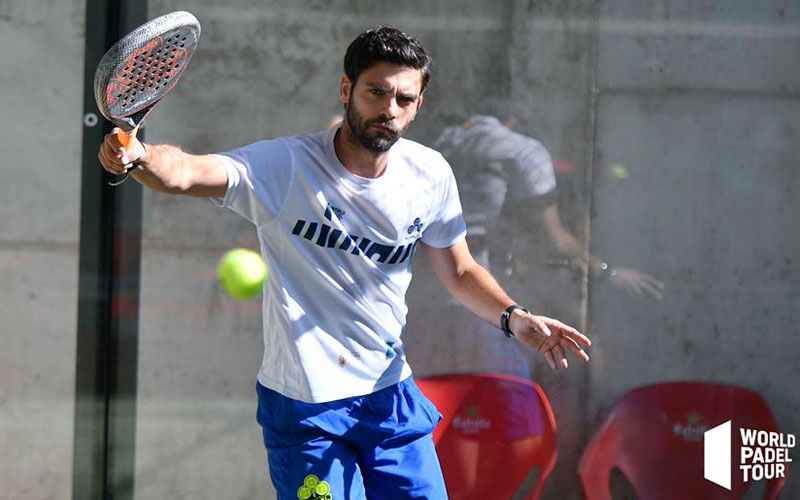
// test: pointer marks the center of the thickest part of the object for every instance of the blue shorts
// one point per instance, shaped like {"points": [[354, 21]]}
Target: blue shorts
{"points": [[375, 446]]}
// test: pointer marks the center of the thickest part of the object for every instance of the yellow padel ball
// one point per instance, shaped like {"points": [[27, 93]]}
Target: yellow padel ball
{"points": [[242, 273]]}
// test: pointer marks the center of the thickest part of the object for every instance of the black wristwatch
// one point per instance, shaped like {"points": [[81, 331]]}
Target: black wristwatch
{"points": [[506, 316]]}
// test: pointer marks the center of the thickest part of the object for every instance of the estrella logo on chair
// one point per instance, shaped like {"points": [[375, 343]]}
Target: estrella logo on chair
{"points": [[693, 430], [472, 423]]}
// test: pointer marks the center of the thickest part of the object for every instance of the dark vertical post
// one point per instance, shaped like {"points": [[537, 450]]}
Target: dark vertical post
{"points": [[108, 296]]}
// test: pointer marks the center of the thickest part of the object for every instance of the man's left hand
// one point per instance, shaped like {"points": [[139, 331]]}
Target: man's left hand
{"points": [[548, 336]]}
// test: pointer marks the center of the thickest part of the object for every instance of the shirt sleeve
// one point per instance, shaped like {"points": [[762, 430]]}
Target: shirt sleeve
{"points": [[448, 228], [259, 176], [533, 175]]}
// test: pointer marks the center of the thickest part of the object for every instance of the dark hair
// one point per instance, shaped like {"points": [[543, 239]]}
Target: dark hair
{"points": [[385, 44]]}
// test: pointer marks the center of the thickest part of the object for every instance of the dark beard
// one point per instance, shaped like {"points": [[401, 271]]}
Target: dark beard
{"points": [[381, 141]]}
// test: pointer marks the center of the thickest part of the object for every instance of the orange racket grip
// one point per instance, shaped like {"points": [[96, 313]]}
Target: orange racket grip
{"points": [[125, 137]]}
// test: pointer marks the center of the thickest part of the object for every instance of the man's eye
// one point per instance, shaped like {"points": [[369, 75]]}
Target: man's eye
{"points": [[376, 92]]}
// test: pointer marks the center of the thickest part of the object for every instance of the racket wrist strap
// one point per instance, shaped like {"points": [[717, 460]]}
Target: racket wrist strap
{"points": [[128, 173]]}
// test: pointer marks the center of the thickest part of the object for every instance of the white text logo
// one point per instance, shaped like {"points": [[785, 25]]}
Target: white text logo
{"points": [[763, 454]]}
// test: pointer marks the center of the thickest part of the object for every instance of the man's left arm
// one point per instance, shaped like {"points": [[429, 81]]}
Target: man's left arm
{"points": [[476, 289]]}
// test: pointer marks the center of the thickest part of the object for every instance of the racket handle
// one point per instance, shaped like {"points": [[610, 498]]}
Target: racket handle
{"points": [[125, 137]]}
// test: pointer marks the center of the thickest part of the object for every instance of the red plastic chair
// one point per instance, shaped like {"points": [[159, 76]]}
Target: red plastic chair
{"points": [[495, 430], [654, 436]]}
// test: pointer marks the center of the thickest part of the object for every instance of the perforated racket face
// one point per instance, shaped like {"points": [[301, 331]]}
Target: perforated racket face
{"points": [[143, 67]]}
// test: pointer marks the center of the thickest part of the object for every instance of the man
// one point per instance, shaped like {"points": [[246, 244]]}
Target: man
{"points": [[339, 214]]}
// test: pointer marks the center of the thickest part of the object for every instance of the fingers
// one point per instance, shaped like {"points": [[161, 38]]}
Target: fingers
{"points": [[639, 283], [653, 286], [571, 333], [116, 147], [557, 337], [576, 349], [111, 160], [551, 360], [653, 290], [542, 327], [561, 356], [557, 356], [113, 156], [554, 347], [642, 284], [654, 281]]}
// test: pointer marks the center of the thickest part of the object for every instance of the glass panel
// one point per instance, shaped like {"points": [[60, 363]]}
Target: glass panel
{"points": [[645, 144], [39, 229]]}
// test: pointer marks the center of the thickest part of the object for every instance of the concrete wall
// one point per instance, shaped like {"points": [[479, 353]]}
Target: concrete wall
{"points": [[40, 137], [698, 103]]}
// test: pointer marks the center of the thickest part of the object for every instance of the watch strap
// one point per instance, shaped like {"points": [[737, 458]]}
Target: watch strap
{"points": [[506, 316]]}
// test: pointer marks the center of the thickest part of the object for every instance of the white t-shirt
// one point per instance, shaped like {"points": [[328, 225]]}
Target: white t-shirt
{"points": [[338, 247]]}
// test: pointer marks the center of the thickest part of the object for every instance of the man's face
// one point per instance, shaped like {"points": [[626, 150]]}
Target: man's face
{"points": [[382, 104]]}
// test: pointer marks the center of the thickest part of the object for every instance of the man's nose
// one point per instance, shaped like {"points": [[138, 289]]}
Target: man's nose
{"points": [[390, 109]]}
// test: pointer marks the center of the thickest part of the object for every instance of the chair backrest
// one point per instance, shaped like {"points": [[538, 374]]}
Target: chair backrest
{"points": [[495, 430], [654, 436]]}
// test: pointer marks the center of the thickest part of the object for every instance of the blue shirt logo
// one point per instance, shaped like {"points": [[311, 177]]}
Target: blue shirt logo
{"points": [[416, 226]]}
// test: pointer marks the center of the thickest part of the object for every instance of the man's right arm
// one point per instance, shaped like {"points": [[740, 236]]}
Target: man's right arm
{"points": [[165, 168]]}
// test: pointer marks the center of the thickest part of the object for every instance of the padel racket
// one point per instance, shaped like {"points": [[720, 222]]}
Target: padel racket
{"points": [[143, 67]]}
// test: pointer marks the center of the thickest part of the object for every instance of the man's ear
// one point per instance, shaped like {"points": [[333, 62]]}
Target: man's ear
{"points": [[419, 101], [344, 89]]}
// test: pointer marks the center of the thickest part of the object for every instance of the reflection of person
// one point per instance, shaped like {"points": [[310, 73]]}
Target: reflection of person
{"points": [[339, 214], [508, 184]]}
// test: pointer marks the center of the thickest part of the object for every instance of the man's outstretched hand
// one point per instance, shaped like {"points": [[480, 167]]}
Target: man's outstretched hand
{"points": [[548, 336], [637, 283]]}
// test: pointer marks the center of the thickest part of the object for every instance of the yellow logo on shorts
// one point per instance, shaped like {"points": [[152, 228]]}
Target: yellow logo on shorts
{"points": [[314, 489]]}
